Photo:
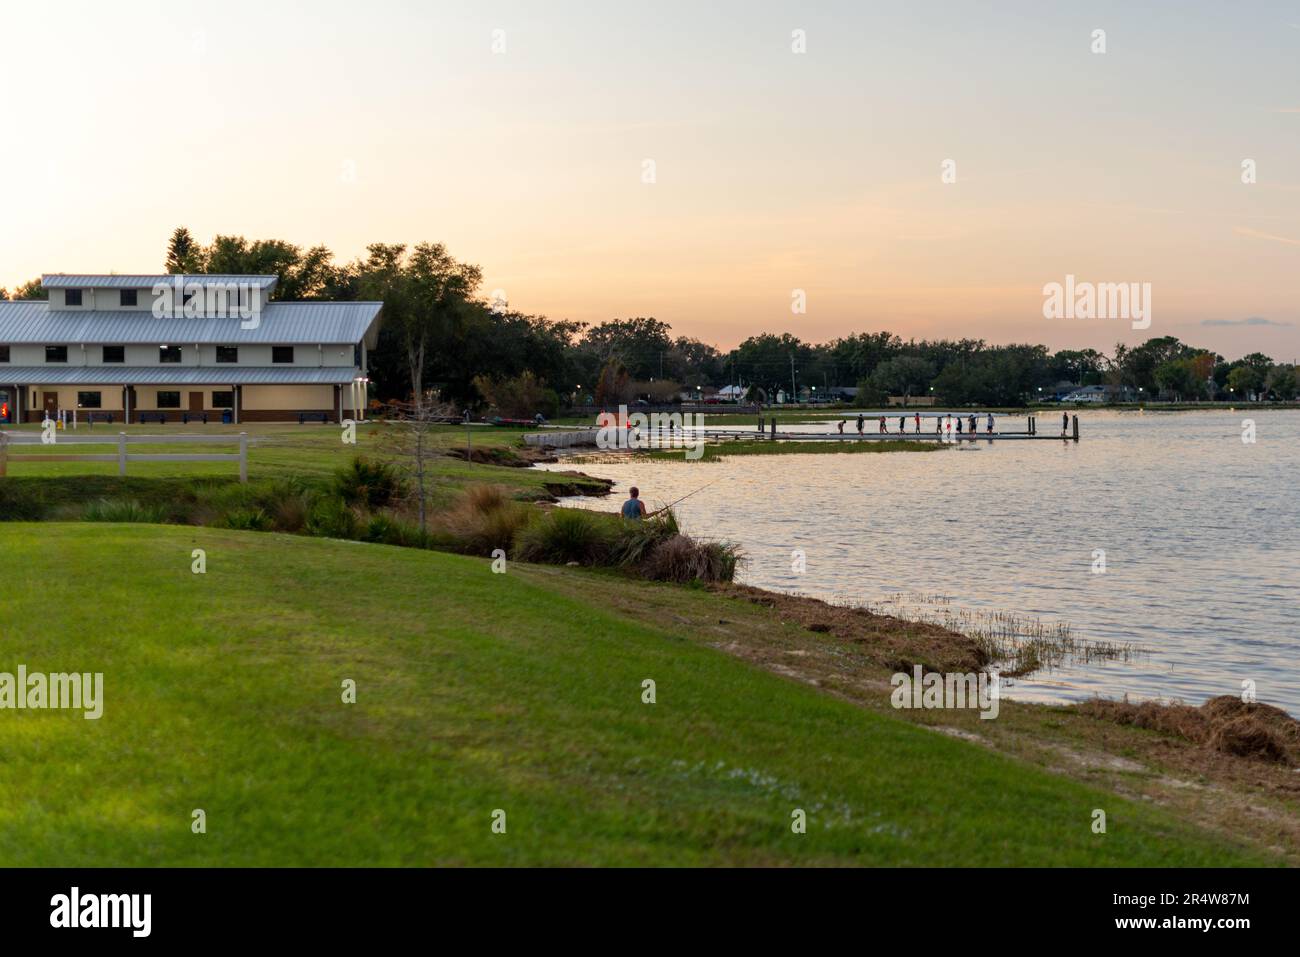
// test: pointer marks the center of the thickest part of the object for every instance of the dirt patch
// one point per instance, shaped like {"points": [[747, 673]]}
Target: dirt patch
{"points": [[1226, 724], [888, 641]]}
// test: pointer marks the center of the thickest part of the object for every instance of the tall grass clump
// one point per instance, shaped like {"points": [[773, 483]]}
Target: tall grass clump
{"points": [[683, 560], [484, 519], [369, 483], [565, 535], [123, 510], [634, 542], [333, 518]]}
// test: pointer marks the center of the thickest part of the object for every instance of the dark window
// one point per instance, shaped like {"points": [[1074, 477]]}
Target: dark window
{"points": [[127, 297], [88, 400], [72, 297], [56, 353], [4, 353], [169, 400], [282, 353], [223, 400], [114, 353], [169, 353], [227, 353]]}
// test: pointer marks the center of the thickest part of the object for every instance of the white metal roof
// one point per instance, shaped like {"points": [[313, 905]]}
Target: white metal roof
{"points": [[281, 323], [61, 280]]}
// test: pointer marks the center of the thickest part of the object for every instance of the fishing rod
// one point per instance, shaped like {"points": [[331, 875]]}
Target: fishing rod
{"points": [[683, 498]]}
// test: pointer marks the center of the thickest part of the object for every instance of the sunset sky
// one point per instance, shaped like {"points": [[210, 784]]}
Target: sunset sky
{"points": [[346, 123]]}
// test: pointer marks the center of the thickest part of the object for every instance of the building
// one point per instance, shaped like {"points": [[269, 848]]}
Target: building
{"points": [[174, 347]]}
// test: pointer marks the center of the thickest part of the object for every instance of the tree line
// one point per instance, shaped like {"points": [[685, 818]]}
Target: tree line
{"points": [[441, 336]]}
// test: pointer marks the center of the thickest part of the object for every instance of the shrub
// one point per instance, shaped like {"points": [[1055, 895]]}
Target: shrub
{"points": [[682, 559], [21, 501], [566, 535], [635, 541], [386, 530], [368, 482], [122, 510], [485, 519], [333, 518], [247, 519]]}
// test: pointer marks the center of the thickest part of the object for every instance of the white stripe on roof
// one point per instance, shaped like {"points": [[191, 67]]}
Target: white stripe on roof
{"points": [[176, 375]]}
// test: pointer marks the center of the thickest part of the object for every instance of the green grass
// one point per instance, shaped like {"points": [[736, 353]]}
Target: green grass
{"points": [[722, 450], [475, 691], [276, 451]]}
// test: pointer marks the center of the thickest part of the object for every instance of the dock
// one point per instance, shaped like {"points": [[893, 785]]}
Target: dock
{"points": [[566, 438]]}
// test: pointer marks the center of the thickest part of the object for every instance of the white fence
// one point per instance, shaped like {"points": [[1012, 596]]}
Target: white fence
{"points": [[122, 456]]}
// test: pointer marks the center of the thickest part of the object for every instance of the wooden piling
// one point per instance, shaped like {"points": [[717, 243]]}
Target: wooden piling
{"points": [[1076, 428]]}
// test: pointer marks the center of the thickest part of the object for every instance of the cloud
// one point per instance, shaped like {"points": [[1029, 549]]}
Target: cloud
{"points": [[1248, 321], [1245, 231]]}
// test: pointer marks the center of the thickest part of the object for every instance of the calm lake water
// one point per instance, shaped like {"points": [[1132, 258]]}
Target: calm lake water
{"points": [[1201, 534]]}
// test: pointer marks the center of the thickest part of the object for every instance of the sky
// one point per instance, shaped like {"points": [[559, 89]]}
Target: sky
{"points": [[523, 135]]}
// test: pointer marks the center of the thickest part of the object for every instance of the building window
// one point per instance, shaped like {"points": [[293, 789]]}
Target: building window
{"points": [[56, 353], [88, 400], [4, 353], [227, 353], [169, 400], [72, 297], [223, 400], [127, 298], [282, 354], [114, 354], [169, 353]]}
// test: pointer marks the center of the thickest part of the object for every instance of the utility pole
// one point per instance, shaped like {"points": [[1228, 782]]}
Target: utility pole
{"points": [[794, 394]]}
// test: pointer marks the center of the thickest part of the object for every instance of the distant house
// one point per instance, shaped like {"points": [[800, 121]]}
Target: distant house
{"points": [[731, 393], [174, 345]]}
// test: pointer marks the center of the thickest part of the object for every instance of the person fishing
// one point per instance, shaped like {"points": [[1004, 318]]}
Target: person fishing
{"points": [[902, 424], [918, 423], [1065, 422], [860, 423], [883, 427], [990, 429], [634, 508]]}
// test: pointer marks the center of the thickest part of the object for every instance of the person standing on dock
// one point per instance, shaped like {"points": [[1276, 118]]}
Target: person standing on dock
{"points": [[861, 422], [974, 425], [959, 425], [634, 508], [990, 427], [883, 427], [938, 425], [842, 426], [902, 424], [1065, 422]]}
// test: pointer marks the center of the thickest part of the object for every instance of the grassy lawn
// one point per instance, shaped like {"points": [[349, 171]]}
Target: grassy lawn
{"points": [[276, 451], [475, 692]]}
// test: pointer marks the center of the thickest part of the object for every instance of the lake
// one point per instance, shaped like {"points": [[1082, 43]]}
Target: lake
{"points": [[1199, 532]]}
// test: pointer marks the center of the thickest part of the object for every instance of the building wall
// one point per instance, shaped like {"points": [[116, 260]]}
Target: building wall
{"points": [[259, 398], [110, 397]]}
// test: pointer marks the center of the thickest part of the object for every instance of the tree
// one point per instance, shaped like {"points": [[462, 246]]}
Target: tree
{"points": [[903, 375], [614, 387], [520, 397], [184, 255], [1281, 382], [426, 296], [32, 289], [1244, 380]]}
